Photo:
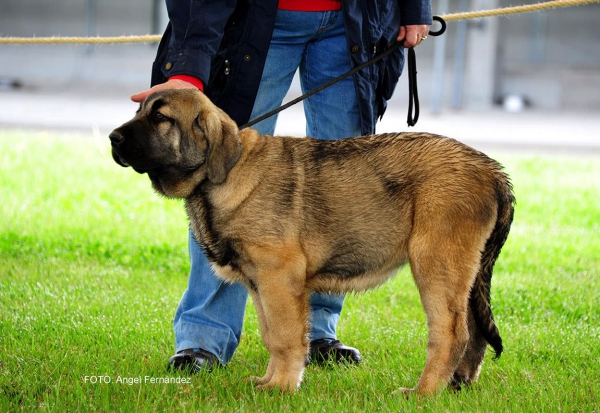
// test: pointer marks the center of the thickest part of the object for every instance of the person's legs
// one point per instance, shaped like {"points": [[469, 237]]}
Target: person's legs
{"points": [[210, 314]]}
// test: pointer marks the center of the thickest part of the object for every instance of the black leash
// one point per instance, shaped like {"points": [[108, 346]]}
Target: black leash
{"points": [[413, 98], [413, 93]]}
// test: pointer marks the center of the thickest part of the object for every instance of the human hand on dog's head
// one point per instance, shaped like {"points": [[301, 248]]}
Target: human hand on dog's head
{"points": [[169, 84]]}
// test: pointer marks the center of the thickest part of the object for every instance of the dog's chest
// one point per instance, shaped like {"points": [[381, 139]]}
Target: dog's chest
{"points": [[219, 249]]}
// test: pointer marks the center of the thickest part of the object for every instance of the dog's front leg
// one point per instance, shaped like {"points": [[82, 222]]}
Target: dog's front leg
{"points": [[285, 318], [281, 301], [264, 331]]}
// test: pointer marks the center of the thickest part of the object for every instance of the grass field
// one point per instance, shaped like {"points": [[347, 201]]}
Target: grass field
{"points": [[93, 263]]}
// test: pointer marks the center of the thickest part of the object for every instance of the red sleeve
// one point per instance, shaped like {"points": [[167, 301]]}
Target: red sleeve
{"points": [[190, 79]]}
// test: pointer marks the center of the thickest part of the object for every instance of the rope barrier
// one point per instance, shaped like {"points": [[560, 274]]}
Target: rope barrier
{"points": [[527, 8], [149, 38], [505, 11]]}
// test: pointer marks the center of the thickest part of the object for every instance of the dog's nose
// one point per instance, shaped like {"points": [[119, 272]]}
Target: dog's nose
{"points": [[115, 137]]}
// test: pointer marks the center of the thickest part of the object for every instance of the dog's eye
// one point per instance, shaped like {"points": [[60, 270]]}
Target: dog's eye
{"points": [[159, 116]]}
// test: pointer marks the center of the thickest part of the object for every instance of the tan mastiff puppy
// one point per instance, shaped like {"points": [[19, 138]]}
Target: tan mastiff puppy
{"points": [[289, 216]]}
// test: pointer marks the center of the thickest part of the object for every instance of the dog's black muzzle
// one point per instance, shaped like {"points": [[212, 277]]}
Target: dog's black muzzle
{"points": [[127, 152], [117, 139]]}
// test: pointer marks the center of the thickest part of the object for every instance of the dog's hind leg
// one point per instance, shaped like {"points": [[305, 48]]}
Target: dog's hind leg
{"points": [[482, 328], [470, 365], [444, 268]]}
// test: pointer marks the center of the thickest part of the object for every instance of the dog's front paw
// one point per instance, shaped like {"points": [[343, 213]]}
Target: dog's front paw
{"points": [[283, 386], [258, 380]]}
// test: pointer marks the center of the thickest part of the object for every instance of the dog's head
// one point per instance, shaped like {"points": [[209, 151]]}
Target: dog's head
{"points": [[179, 138]]}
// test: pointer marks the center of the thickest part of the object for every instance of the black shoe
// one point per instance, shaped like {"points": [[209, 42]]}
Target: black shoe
{"points": [[193, 360], [325, 349]]}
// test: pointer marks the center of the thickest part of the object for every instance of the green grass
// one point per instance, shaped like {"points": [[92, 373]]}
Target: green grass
{"points": [[93, 263]]}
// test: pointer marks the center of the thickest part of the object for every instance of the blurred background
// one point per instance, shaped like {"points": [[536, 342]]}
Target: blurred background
{"points": [[537, 70]]}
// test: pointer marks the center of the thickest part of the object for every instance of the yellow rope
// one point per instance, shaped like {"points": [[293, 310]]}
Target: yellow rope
{"points": [[552, 4], [81, 40]]}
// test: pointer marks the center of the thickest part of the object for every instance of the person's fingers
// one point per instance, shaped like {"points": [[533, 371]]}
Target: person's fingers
{"points": [[139, 97], [413, 35], [170, 84], [401, 33]]}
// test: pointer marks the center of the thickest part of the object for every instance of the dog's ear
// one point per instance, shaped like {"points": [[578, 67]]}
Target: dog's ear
{"points": [[224, 145]]}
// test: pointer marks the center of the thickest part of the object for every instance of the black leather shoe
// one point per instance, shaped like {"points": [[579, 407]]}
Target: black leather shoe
{"points": [[325, 349], [193, 360]]}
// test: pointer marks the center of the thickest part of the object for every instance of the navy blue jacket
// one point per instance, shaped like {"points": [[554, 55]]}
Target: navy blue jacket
{"points": [[224, 43]]}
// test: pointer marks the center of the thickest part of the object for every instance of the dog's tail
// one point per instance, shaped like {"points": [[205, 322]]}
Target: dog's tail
{"points": [[480, 293]]}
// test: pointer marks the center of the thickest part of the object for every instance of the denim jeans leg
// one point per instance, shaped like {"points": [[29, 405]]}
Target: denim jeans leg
{"points": [[283, 58], [334, 112], [210, 315]]}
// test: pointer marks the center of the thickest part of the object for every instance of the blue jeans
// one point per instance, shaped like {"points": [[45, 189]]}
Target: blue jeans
{"points": [[211, 312]]}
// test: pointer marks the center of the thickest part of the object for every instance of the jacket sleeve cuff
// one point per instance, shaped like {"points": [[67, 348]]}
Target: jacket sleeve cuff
{"points": [[189, 63], [190, 79]]}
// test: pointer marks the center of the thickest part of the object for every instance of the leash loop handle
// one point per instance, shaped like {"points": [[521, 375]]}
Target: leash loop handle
{"points": [[442, 28], [413, 93]]}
